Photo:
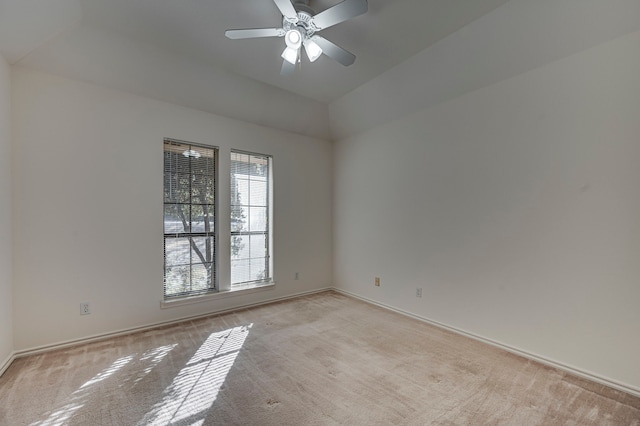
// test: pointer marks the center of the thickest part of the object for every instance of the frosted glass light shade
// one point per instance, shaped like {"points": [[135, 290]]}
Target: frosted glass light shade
{"points": [[313, 50], [290, 55], [293, 39]]}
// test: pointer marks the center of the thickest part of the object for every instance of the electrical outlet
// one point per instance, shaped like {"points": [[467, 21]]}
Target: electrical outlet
{"points": [[84, 308], [419, 292], [377, 281]]}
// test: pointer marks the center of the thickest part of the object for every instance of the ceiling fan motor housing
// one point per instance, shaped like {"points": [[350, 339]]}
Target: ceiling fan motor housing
{"points": [[303, 6], [303, 23]]}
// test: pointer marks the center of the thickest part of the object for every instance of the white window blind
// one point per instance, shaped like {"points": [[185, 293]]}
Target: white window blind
{"points": [[189, 218], [250, 218]]}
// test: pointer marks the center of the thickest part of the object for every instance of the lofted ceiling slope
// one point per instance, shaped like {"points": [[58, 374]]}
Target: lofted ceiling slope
{"points": [[389, 33], [176, 51]]}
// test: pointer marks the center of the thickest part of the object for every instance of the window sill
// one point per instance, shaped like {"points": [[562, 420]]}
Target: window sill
{"points": [[223, 294]]}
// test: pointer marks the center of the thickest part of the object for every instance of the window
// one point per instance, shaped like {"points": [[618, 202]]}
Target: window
{"points": [[189, 218], [251, 244]]}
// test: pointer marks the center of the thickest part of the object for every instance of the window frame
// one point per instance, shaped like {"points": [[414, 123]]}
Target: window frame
{"points": [[213, 285], [269, 278]]}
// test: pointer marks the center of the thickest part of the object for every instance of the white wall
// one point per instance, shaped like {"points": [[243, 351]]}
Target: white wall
{"points": [[6, 328], [515, 207], [88, 206]]}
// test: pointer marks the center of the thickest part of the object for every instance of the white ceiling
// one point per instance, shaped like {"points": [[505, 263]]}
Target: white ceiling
{"points": [[411, 54], [388, 34]]}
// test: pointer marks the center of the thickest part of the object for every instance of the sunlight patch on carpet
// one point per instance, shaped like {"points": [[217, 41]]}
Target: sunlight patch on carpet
{"points": [[63, 414], [196, 386], [117, 365], [152, 358], [76, 401]]}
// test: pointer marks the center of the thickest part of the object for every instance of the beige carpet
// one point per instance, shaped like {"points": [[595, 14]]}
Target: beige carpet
{"points": [[324, 359]]}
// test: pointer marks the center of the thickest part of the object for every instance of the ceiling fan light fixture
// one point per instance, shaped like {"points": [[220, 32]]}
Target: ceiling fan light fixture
{"points": [[290, 55], [313, 50], [300, 23], [293, 39]]}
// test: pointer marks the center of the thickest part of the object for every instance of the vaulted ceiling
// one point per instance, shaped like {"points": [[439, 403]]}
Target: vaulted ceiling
{"points": [[114, 42], [411, 54], [389, 33]]}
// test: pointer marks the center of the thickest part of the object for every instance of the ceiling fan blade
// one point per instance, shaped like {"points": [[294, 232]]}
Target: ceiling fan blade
{"points": [[287, 68], [254, 33], [340, 12], [287, 9], [334, 51]]}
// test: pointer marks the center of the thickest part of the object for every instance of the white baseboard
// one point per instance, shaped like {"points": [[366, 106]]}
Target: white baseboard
{"points": [[122, 332], [624, 387], [632, 390], [7, 362]]}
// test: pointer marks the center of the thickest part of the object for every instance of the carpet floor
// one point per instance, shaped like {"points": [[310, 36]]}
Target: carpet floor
{"points": [[323, 359]]}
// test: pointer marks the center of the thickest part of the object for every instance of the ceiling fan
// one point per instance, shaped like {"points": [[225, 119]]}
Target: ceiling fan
{"points": [[299, 27]]}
